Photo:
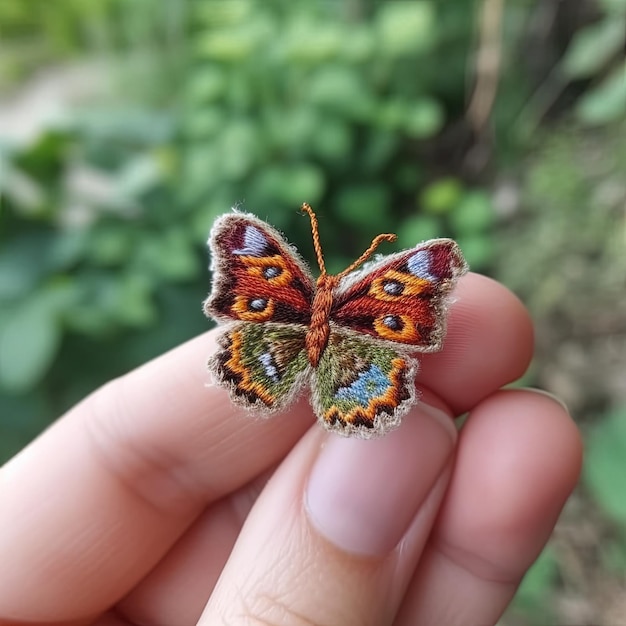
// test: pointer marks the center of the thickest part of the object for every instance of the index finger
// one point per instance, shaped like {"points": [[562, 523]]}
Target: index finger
{"points": [[94, 503]]}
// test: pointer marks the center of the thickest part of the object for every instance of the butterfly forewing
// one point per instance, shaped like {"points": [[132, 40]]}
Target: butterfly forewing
{"points": [[257, 276], [403, 297]]}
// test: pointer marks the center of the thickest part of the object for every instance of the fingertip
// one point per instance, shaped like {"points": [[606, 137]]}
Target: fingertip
{"points": [[519, 456], [489, 343]]}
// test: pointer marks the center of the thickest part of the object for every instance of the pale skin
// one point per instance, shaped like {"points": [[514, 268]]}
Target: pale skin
{"points": [[155, 501]]}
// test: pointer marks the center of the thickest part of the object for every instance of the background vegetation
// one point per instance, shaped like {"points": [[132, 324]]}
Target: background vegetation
{"points": [[127, 126]]}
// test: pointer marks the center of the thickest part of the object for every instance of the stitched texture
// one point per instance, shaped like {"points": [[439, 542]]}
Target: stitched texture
{"points": [[349, 335]]}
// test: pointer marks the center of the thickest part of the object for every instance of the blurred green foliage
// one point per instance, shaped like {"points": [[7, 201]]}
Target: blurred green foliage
{"points": [[596, 53], [573, 195], [329, 103], [105, 213]]}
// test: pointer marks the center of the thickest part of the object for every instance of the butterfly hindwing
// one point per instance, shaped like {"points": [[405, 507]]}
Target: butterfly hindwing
{"points": [[257, 276], [262, 365], [402, 297], [362, 386]]}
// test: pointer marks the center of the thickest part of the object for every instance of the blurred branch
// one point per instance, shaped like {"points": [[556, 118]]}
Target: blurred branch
{"points": [[488, 63]]}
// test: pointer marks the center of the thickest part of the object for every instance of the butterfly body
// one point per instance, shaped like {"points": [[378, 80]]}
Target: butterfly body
{"points": [[349, 335], [321, 307]]}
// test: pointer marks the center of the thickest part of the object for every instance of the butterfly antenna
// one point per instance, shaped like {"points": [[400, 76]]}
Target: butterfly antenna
{"points": [[316, 237], [368, 253]]}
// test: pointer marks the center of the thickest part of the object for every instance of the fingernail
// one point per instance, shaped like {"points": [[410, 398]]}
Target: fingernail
{"points": [[363, 494], [543, 392]]}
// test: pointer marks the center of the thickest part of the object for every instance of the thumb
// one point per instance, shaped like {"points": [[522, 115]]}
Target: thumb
{"points": [[337, 532]]}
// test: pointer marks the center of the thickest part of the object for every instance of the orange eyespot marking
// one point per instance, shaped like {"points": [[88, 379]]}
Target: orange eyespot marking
{"points": [[253, 309], [396, 328], [270, 268], [393, 285]]}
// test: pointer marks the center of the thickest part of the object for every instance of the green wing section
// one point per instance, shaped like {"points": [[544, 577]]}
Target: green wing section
{"points": [[262, 365], [362, 386]]}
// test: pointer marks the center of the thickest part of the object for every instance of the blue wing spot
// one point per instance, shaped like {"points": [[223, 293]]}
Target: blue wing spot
{"points": [[369, 385], [254, 243], [270, 369], [419, 265]]}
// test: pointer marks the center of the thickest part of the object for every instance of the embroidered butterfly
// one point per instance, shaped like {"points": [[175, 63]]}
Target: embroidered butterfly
{"points": [[349, 335]]}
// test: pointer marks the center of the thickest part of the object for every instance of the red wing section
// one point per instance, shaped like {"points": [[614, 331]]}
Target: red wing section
{"points": [[257, 276], [403, 297]]}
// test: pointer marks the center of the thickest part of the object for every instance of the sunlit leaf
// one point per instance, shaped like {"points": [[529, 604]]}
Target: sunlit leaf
{"points": [[473, 213], [479, 249], [29, 340], [423, 118], [592, 47], [405, 26], [607, 102], [417, 229], [441, 196]]}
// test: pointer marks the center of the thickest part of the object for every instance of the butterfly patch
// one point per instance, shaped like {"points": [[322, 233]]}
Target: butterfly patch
{"points": [[348, 336]]}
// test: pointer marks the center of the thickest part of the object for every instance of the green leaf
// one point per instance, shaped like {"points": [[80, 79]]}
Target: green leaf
{"points": [[305, 184], [379, 148], [473, 214], [478, 249], [311, 41], [204, 122], [23, 263], [364, 205], [392, 114], [21, 188], [220, 13], [358, 44], [441, 196], [68, 248], [423, 118], [138, 176], [290, 185], [110, 244], [239, 148], [170, 256], [341, 89], [332, 140], [405, 27], [202, 168], [606, 103], [237, 43], [206, 85], [616, 8], [133, 301], [605, 465], [418, 228], [29, 340], [292, 128], [592, 47]]}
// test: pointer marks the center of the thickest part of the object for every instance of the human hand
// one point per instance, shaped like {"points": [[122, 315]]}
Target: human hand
{"points": [[155, 501]]}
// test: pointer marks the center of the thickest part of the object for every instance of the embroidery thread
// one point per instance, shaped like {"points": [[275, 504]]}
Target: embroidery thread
{"points": [[349, 335]]}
